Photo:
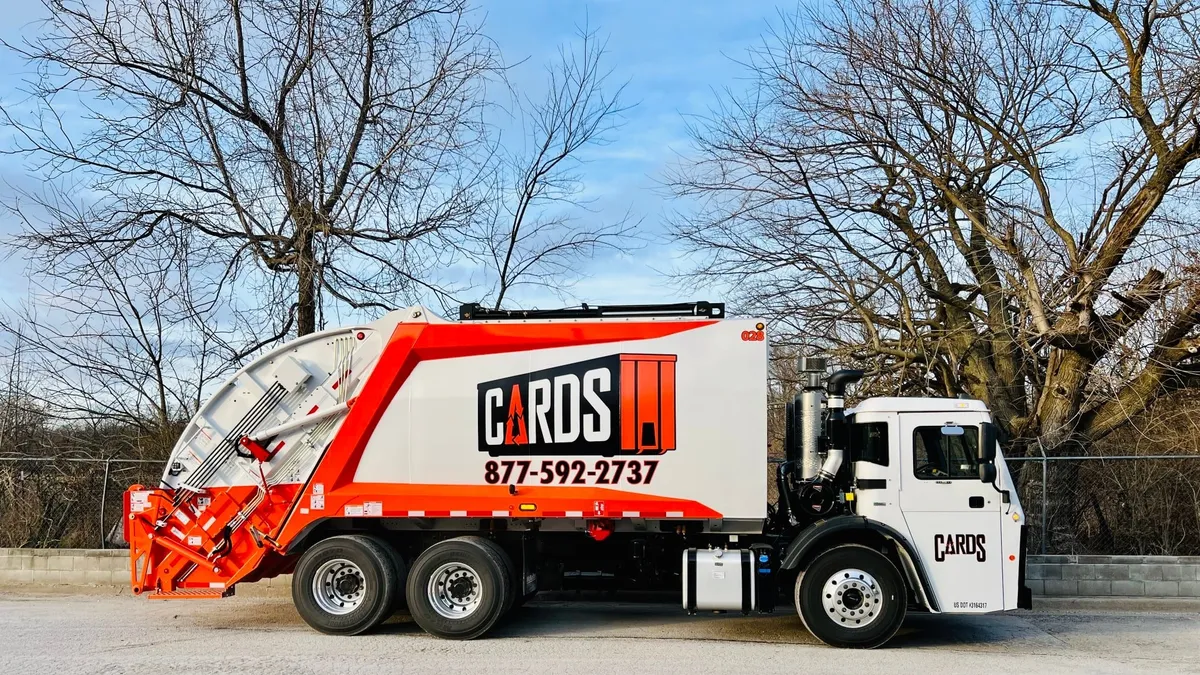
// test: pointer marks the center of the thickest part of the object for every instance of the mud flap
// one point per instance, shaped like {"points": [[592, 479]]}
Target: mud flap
{"points": [[1024, 593]]}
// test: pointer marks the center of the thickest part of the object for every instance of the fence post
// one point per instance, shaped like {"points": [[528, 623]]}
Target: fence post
{"points": [[103, 500], [1045, 507]]}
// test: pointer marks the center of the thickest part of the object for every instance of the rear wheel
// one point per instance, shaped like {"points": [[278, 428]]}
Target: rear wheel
{"points": [[398, 564], [522, 599], [459, 588], [345, 585], [851, 596], [515, 583]]}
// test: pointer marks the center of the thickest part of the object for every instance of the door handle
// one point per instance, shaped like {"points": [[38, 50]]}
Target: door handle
{"points": [[975, 502]]}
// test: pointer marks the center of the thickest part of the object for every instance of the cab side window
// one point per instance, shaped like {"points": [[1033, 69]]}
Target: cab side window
{"points": [[938, 455], [869, 442]]}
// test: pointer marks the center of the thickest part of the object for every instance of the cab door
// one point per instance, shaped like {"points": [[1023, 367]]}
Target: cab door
{"points": [[953, 517]]}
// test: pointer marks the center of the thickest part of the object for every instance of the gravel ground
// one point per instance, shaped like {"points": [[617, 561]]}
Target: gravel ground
{"points": [[62, 631]]}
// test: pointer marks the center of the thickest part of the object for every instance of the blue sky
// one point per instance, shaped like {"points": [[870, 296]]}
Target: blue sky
{"points": [[676, 57]]}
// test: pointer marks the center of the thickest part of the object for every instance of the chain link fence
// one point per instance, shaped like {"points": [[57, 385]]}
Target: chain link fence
{"points": [[1113, 505], [67, 502]]}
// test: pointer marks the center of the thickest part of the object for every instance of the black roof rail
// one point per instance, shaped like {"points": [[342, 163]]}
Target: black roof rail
{"points": [[473, 311]]}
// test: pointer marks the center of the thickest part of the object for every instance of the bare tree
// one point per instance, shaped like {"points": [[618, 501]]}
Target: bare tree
{"points": [[23, 422], [529, 233], [990, 198], [312, 149], [116, 342], [108, 358]]}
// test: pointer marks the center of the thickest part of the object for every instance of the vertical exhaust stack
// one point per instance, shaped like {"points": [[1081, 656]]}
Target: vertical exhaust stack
{"points": [[836, 433], [808, 406], [836, 386]]}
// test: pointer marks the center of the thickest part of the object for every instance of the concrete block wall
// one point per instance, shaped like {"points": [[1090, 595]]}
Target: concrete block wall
{"points": [[1114, 575], [86, 567], [64, 566]]}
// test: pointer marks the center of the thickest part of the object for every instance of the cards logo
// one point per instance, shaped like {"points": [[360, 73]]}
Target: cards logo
{"points": [[959, 544], [619, 404]]}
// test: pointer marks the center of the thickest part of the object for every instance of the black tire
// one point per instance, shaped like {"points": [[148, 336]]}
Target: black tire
{"points": [[399, 601], [515, 582], [398, 566], [514, 576], [840, 605], [489, 577], [376, 575]]}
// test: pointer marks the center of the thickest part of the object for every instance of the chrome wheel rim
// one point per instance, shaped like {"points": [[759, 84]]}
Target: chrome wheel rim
{"points": [[339, 586], [454, 590], [852, 598]]}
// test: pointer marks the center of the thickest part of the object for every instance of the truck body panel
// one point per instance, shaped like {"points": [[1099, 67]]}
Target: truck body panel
{"points": [[437, 428]]}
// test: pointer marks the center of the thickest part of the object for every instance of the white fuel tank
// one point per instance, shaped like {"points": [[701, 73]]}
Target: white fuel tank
{"points": [[719, 579]]}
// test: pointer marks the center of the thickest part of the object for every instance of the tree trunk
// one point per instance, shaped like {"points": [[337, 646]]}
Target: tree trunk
{"points": [[306, 282], [1062, 395]]}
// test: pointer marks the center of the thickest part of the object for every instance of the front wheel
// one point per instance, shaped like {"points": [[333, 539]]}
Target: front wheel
{"points": [[851, 596]]}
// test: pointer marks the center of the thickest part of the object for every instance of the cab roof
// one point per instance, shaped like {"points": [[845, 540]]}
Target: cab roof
{"points": [[918, 404]]}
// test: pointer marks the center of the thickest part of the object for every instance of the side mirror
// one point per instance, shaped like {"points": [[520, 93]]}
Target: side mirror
{"points": [[987, 444], [987, 473]]}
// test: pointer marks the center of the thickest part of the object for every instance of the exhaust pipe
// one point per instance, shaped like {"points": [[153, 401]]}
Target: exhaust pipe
{"points": [[837, 386], [836, 422], [832, 464]]}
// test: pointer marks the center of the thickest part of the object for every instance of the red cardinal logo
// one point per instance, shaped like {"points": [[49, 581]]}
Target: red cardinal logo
{"points": [[514, 425]]}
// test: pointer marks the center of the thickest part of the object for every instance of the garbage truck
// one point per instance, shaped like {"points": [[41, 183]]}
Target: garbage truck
{"points": [[455, 468]]}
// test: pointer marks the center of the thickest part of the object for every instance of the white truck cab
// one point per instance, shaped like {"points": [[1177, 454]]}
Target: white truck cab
{"points": [[966, 533]]}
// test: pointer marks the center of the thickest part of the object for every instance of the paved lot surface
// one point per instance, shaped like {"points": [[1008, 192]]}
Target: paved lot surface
{"points": [[48, 631]]}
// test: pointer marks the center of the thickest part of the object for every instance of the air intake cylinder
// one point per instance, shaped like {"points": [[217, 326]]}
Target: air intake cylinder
{"points": [[808, 405]]}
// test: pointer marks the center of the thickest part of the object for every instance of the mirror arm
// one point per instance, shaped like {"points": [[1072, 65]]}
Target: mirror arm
{"points": [[989, 438], [1006, 496]]}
